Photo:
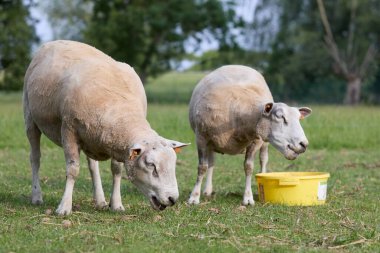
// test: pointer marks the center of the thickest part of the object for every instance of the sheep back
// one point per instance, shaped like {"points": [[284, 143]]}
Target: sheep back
{"points": [[72, 84], [226, 105]]}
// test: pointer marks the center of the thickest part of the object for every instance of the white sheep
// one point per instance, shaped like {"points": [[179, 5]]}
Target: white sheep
{"points": [[232, 111], [82, 99]]}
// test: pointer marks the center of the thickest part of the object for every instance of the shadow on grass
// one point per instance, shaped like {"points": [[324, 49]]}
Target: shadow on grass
{"points": [[14, 199], [52, 191]]}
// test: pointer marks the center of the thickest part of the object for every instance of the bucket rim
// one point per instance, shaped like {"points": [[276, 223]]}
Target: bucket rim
{"points": [[293, 174]]}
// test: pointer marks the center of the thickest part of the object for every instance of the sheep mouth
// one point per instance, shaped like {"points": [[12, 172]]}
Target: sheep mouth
{"points": [[156, 204], [292, 153]]}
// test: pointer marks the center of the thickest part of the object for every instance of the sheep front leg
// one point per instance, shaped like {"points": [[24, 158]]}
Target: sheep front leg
{"points": [[248, 168], [71, 150], [98, 193], [202, 168], [115, 202], [264, 157]]}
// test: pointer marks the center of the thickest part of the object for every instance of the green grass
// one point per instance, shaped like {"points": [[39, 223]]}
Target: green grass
{"points": [[343, 141], [172, 87]]}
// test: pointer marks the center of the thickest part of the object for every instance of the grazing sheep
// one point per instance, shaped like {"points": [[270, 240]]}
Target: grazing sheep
{"points": [[231, 112], [82, 99]]}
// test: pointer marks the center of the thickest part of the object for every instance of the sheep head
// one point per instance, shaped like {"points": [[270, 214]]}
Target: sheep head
{"points": [[151, 167], [280, 125]]}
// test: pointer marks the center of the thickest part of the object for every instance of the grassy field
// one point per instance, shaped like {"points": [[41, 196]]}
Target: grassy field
{"points": [[343, 141], [172, 88]]}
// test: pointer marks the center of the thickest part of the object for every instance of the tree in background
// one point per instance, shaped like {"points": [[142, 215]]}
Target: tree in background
{"points": [[68, 17], [16, 38], [297, 61], [303, 59], [151, 35], [255, 32], [299, 66], [214, 59], [358, 47]]}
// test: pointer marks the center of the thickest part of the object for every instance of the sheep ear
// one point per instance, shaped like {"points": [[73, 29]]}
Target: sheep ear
{"points": [[176, 145], [268, 108], [305, 112], [135, 151]]}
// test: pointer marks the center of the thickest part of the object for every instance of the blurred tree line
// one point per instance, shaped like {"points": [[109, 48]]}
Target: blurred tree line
{"points": [[323, 51], [17, 36]]}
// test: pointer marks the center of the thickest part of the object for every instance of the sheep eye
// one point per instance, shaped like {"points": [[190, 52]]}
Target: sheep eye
{"points": [[153, 166], [155, 173], [285, 122]]}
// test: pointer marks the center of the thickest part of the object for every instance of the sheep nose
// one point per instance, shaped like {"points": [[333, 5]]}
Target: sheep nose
{"points": [[172, 201], [304, 145]]}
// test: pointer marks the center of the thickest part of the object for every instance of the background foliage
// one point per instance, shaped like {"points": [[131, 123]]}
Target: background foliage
{"points": [[16, 38], [285, 40]]}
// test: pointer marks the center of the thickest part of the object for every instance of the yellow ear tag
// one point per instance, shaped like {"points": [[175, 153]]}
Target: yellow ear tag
{"points": [[301, 117], [268, 107], [177, 150], [133, 155]]}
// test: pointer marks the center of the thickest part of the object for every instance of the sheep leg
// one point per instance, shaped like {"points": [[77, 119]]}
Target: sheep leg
{"points": [[264, 157], [202, 168], [71, 150], [98, 193], [115, 203], [248, 168], [34, 137], [207, 191]]}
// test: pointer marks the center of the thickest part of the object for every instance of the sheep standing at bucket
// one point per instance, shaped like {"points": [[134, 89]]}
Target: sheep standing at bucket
{"points": [[231, 112]]}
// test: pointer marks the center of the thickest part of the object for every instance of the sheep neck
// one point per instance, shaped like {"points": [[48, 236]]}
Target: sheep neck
{"points": [[129, 133]]}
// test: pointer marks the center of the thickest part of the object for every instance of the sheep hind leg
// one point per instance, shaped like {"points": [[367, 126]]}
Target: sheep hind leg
{"points": [[202, 168], [34, 137], [98, 193], [207, 191], [71, 150], [248, 168]]}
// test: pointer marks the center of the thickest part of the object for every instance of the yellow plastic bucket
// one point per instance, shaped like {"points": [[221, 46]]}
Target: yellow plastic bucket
{"points": [[293, 188]]}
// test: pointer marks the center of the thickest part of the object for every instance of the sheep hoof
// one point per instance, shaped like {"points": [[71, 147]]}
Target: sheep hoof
{"points": [[37, 198], [37, 201], [64, 208], [62, 211], [209, 194], [101, 206], [193, 201], [119, 208], [248, 201]]}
